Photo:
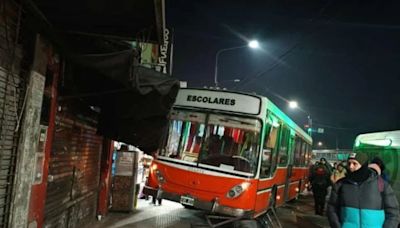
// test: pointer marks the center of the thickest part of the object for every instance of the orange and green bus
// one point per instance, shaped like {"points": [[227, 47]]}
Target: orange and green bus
{"points": [[229, 153]]}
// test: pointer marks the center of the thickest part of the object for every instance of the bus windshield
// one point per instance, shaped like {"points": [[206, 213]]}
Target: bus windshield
{"points": [[229, 143]]}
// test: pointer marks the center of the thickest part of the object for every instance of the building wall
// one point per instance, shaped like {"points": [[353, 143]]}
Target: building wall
{"points": [[12, 90]]}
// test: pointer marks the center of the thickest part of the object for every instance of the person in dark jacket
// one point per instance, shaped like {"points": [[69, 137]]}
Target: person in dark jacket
{"points": [[326, 164], [362, 199], [379, 162], [320, 181]]}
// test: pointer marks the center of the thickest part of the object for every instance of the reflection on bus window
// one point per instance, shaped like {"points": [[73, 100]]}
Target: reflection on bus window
{"points": [[185, 135], [297, 152], [231, 143], [226, 142], [268, 164], [307, 156], [303, 152], [283, 148]]}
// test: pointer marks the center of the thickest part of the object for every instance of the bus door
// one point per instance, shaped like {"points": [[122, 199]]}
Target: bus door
{"points": [[283, 162], [289, 168], [268, 166]]}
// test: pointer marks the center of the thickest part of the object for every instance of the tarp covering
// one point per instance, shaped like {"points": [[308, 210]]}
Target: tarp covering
{"points": [[134, 100]]}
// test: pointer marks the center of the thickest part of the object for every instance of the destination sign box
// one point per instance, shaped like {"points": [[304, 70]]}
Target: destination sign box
{"points": [[219, 100]]}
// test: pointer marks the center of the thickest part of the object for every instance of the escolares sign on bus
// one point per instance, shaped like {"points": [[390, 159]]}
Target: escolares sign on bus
{"points": [[219, 100]]}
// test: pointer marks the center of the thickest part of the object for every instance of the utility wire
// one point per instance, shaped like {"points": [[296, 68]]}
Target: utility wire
{"points": [[301, 40]]}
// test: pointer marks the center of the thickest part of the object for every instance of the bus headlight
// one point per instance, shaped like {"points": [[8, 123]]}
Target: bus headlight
{"points": [[153, 167], [237, 190], [159, 176]]}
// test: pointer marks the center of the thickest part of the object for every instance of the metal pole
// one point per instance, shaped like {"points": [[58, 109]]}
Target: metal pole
{"points": [[337, 142], [216, 61], [216, 68]]}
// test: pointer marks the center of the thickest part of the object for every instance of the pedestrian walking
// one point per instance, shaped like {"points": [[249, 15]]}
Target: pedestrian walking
{"points": [[362, 199], [376, 161], [327, 165], [338, 173], [320, 182]]}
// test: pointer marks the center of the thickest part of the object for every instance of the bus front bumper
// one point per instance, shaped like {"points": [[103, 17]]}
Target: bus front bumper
{"points": [[213, 207]]}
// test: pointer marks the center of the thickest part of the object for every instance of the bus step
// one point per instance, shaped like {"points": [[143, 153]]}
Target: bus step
{"points": [[217, 221], [270, 219]]}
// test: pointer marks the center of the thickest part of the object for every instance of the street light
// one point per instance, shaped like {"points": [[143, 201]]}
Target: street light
{"points": [[252, 44], [295, 105]]}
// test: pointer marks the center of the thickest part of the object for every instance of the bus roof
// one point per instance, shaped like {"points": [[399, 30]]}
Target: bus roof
{"points": [[384, 139], [232, 101]]}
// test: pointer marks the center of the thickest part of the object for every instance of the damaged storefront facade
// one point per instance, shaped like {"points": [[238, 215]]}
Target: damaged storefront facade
{"points": [[81, 87]]}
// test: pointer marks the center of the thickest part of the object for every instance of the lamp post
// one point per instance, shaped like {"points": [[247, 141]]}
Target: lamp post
{"points": [[252, 44]]}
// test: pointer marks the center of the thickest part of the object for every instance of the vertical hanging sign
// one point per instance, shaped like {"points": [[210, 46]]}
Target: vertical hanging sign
{"points": [[165, 50]]}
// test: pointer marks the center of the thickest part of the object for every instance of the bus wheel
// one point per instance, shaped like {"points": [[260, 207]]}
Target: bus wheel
{"points": [[250, 223], [188, 207]]}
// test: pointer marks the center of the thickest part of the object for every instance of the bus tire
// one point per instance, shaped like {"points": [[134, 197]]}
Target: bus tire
{"points": [[248, 223], [188, 207]]}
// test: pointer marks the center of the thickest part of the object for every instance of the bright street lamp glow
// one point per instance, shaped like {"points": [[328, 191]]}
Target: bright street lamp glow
{"points": [[253, 44], [293, 104], [319, 143]]}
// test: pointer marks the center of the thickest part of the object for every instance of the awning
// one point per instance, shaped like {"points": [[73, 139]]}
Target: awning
{"points": [[134, 101]]}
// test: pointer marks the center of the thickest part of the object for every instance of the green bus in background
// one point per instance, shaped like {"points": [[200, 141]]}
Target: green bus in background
{"points": [[385, 145]]}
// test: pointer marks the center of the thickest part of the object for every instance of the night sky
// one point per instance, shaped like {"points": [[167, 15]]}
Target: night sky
{"points": [[339, 59]]}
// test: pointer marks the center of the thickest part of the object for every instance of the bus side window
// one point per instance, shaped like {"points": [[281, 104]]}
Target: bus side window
{"points": [[283, 147], [297, 150], [174, 134], [268, 164], [303, 153], [307, 156]]}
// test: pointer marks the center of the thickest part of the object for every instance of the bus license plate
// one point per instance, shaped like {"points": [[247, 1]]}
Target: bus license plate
{"points": [[187, 200]]}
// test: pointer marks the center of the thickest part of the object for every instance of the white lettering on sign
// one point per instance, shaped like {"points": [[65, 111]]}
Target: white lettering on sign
{"points": [[219, 100], [215, 100], [162, 60]]}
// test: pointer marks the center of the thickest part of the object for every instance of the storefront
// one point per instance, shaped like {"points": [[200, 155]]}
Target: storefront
{"points": [[94, 91]]}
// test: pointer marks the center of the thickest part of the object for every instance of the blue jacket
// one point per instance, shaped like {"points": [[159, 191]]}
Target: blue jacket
{"points": [[363, 205]]}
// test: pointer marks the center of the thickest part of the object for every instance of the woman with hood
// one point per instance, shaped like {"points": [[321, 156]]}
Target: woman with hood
{"points": [[362, 198]]}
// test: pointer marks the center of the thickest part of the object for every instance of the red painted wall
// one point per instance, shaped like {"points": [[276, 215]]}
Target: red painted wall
{"points": [[105, 177], [38, 192]]}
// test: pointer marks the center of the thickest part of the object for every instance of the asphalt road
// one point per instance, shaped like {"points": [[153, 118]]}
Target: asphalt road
{"points": [[299, 213]]}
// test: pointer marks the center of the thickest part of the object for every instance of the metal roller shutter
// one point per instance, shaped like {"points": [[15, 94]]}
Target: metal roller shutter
{"points": [[12, 89], [74, 170]]}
